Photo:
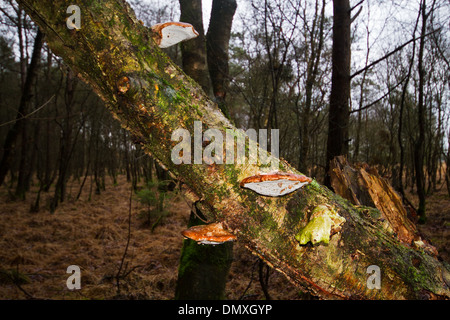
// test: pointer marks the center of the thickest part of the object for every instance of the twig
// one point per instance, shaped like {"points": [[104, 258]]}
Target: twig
{"points": [[132, 269], [264, 280], [250, 282], [391, 53], [381, 98], [29, 296], [29, 114], [356, 15], [358, 4], [128, 243], [16, 281]]}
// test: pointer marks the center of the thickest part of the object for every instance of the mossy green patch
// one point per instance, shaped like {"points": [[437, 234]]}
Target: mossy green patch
{"points": [[323, 220], [317, 230]]}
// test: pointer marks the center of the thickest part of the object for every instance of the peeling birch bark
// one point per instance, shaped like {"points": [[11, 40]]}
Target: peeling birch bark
{"points": [[152, 97]]}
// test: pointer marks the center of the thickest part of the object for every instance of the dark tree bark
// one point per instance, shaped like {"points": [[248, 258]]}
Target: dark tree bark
{"points": [[217, 43], [114, 51], [361, 103], [447, 164], [401, 112], [203, 269], [22, 111], [421, 115], [194, 51], [339, 113], [67, 142]]}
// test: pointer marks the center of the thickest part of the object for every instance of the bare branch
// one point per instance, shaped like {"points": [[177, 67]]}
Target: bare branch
{"points": [[356, 15], [356, 5], [391, 53], [379, 99]]}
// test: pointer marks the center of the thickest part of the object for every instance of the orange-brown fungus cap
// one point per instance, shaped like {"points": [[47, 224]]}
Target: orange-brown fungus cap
{"points": [[275, 184], [213, 233], [123, 84]]}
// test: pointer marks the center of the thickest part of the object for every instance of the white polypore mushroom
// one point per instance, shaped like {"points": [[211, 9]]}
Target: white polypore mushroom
{"points": [[275, 184], [171, 33], [213, 233]]}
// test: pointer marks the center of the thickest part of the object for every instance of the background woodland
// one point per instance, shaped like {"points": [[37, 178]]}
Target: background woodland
{"points": [[54, 130]]}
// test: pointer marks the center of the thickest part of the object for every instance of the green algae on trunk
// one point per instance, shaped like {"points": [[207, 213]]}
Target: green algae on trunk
{"points": [[323, 223]]}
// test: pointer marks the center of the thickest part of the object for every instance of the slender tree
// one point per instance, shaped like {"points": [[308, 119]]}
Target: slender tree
{"points": [[339, 113], [194, 52], [217, 43], [316, 44], [22, 110], [421, 116]]}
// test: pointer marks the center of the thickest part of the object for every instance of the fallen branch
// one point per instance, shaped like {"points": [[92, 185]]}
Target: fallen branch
{"points": [[151, 97]]}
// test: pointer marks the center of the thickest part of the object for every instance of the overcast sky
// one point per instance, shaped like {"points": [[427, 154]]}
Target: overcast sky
{"points": [[386, 17]]}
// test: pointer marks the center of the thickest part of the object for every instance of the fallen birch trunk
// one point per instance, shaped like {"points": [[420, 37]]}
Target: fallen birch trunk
{"points": [[321, 242]]}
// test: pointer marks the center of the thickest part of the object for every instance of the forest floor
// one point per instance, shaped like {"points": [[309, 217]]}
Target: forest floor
{"points": [[37, 248], [437, 227]]}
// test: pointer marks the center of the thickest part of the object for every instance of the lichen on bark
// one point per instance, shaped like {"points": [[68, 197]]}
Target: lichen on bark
{"points": [[323, 223]]}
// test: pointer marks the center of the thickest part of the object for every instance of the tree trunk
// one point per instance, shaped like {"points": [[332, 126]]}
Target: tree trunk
{"points": [[66, 144], [338, 117], [421, 114], [447, 164], [194, 51], [361, 102], [217, 42], [114, 48], [203, 270], [17, 128], [311, 75]]}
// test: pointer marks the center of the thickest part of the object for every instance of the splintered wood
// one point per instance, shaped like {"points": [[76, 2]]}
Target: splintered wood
{"points": [[363, 185]]}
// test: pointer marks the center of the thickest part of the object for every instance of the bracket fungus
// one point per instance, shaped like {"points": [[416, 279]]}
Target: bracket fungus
{"points": [[213, 233], [275, 184], [171, 33]]}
